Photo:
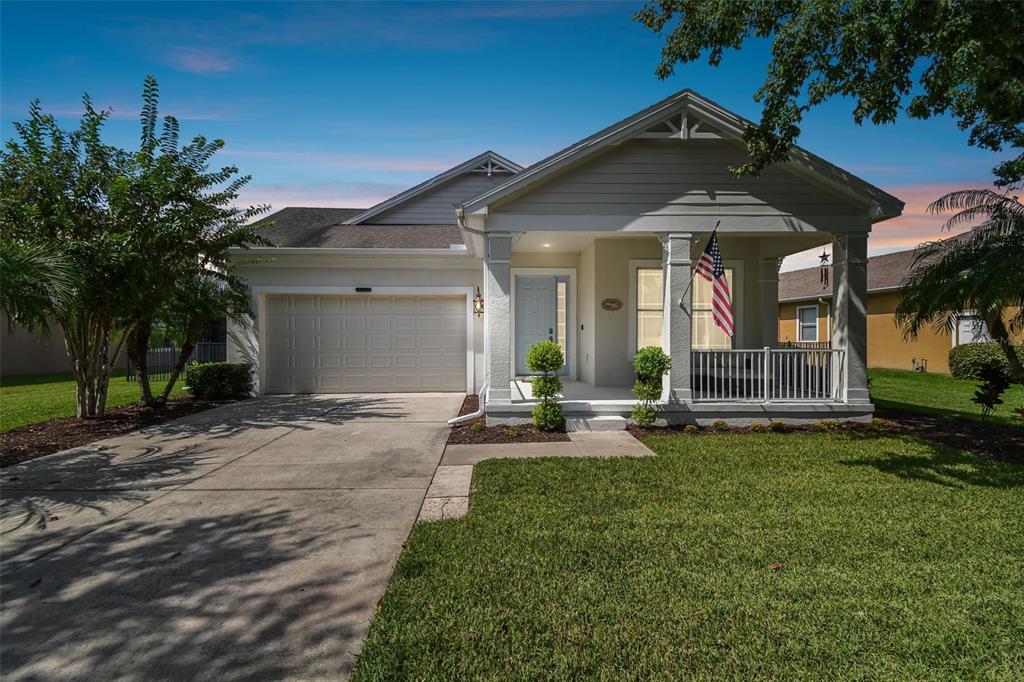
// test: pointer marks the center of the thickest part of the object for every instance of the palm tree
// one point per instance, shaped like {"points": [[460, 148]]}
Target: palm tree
{"points": [[35, 283], [982, 270]]}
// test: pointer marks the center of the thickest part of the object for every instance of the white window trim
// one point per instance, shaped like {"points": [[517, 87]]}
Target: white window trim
{"points": [[799, 324], [570, 321], [634, 265]]}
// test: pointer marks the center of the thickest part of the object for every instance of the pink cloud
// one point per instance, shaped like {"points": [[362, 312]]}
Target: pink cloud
{"points": [[361, 162], [915, 226]]}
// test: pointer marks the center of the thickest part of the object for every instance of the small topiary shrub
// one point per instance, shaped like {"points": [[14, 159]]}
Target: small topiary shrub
{"points": [[691, 429], [651, 364], [758, 427], [477, 427], [545, 358], [720, 425], [219, 380], [548, 416], [776, 427], [970, 360]]}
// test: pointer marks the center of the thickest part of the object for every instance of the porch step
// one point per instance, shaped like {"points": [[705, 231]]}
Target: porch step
{"points": [[595, 424]]}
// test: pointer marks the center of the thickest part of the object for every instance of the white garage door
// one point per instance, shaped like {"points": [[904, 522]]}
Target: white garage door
{"points": [[352, 344]]}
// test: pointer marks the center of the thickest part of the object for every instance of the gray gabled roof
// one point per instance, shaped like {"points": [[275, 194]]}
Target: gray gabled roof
{"points": [[501, 163], [730, 123], [324, 228]]}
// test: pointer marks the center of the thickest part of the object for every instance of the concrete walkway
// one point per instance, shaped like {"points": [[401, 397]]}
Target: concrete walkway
{"points": [[448, 495], [248, 542]]}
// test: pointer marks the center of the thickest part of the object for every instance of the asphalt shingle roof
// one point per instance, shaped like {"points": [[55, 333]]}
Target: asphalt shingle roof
{"points": [[321, 228]]}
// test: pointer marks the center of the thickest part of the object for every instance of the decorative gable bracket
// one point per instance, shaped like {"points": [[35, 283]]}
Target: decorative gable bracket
{"points": [[682, 126]]}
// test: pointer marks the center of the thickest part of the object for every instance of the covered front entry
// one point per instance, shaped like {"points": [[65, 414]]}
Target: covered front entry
{"points": [[365, 343]]}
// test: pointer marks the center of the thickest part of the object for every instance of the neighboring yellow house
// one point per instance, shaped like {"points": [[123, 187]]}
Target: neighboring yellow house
{"points": [[805, 317]]}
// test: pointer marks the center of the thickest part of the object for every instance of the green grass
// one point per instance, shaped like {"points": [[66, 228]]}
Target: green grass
{"points": [[35, 398], [939, 394], [900, 560]]}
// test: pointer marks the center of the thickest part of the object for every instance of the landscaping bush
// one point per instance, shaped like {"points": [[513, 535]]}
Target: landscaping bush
{"points": [[720, 425], [691, 429], [545, 358], [651, 364], [969, 360], [758, 427], [219, 380], [777, 427]]}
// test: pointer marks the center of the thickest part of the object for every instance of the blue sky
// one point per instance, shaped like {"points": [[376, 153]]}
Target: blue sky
{"points": [[344, 104]]}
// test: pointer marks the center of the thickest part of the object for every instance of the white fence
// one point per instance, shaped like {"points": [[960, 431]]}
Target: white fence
{"points": [[770, 374]]}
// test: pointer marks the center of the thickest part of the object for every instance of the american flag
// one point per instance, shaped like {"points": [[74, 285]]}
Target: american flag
{"points": [[711, 268]]}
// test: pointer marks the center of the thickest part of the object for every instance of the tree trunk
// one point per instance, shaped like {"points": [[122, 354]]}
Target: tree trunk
{"points": [[137, 345], [195, 330], [88, 342], [997, 329]]}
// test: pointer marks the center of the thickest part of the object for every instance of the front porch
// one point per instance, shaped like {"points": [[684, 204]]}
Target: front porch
{"points": [[741, 387]]}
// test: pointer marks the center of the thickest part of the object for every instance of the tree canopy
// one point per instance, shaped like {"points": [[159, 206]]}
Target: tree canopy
{"points": [[890, 56]]}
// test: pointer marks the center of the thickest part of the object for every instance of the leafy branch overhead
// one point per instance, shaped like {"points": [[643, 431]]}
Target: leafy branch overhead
{"points": [[924, 59]]}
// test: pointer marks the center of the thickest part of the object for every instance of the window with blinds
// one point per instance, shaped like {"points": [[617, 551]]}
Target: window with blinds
{"points": [[706, 335], [650, 304]]}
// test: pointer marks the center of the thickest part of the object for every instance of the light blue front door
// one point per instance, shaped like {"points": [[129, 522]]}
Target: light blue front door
{"points": [[535, 315]]}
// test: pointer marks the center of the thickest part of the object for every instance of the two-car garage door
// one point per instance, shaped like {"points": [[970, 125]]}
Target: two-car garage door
{"points": [[365, 343]]}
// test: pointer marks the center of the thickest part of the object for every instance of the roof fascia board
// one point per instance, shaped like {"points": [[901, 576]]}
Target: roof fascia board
{"points": [[828, 295], [340, 251], [419, 189]]}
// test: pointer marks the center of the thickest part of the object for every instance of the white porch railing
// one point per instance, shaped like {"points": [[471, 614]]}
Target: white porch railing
{"points": [[770, 374]]}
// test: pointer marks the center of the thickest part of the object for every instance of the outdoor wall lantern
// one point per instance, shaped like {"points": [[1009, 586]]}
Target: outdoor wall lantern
{"points": [[478, 303]]}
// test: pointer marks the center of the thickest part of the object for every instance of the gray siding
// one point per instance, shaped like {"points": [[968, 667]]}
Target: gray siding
{"points": [[434, 207], [654, 177]]}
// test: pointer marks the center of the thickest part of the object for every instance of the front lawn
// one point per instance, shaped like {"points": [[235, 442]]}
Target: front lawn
{"points": [[778, 556], [35, 398], [939, 394]]}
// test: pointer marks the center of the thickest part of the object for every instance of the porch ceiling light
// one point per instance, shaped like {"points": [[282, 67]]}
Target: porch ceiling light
{"points": [[547, 246], [478, 303]]}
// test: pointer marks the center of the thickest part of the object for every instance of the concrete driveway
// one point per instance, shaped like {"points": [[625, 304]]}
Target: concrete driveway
{"points": [[248, 542]]}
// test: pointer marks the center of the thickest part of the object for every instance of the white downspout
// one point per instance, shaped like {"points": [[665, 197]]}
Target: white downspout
{"points": [[479, 412]]}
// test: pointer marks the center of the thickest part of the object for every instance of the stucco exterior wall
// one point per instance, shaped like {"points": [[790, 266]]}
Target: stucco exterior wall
{"points": [[886, 345], [22, 352]]}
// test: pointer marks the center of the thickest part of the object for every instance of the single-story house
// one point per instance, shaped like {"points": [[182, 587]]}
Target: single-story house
{"points": [[805, 317], [444, 286]]}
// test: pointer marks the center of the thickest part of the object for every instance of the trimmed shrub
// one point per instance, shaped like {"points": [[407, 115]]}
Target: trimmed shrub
{"points": [[758, 427], [478, 427], [545, 358], [970, 360], [651, 364], [548, 416], [219, 380], [691, 429], [720, 425], [777, 427]]}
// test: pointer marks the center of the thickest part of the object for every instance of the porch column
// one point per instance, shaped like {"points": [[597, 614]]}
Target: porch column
{"points": [[498, 316], [850, 322], [678, 307], [768, 279]]}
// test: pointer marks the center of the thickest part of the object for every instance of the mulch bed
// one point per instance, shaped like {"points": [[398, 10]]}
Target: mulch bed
{"points": [[477, 432], [990, 441], [35, 440]]}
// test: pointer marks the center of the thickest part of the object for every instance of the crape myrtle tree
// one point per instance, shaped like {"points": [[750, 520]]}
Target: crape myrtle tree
{"points": [[140, 238], [891, 57], [54, 204], [187, 222]]}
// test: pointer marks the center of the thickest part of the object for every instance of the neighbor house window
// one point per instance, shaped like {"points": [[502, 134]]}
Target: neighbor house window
{"points": [[971, 328], [706, 335], [650, 307], [807, 324]]}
